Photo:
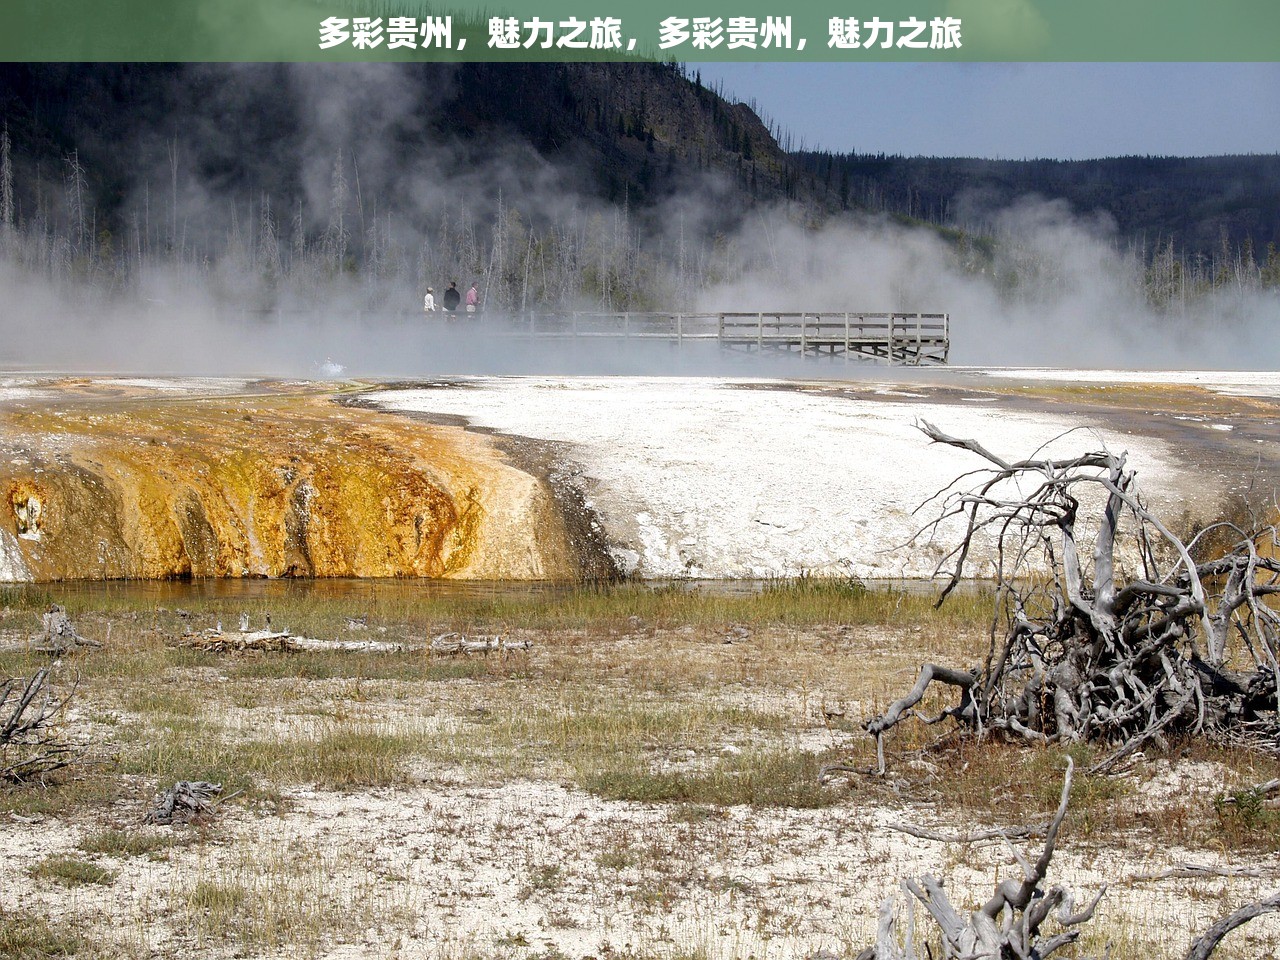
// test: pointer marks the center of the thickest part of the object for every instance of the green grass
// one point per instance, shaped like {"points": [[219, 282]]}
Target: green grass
{"points": [[411, 667], [777, 779], [72, 872], [331, 758], [317, 610], [1245, 821], [217, 898], [124, 844], [61, 794], [24, 936]]}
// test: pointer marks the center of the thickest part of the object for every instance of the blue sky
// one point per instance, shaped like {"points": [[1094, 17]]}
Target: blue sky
{"points": [[1016, 110]]}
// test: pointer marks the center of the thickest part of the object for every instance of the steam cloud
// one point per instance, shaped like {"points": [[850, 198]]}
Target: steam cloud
{"points": [[1059, 289]]}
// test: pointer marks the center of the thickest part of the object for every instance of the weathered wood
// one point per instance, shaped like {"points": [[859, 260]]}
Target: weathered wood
{"points": [[31, 745], [898, 338], [1008, 924], [1207, 943], [1100, 659], [451, 644], [58, 635], [977, 836], [185, 801], [218, 641], [1193, 871]]}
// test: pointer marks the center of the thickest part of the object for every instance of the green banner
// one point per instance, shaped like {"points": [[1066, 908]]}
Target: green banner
{"points": [[573, 30]]}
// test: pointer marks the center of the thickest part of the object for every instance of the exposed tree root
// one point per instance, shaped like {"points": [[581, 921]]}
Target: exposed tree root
{"points": [[1111, 629]]}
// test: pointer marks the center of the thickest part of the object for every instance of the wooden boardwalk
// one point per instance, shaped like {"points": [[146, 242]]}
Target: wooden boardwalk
{"points": [[896, 338]]}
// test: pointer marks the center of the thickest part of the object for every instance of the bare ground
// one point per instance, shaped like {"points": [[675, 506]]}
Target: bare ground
{"points": [[506, 823]]}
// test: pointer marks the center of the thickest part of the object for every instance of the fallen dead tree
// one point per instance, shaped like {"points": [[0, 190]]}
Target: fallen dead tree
{"points": [[1207, 943], [452, 644], [278, 641], [1111, 629], [216, 640]]}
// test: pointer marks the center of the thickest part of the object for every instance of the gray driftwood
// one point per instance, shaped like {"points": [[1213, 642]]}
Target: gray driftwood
{"points": [[216, 640], [452, 644], [185, 801], [1207, 943], [976, 836], [58, 634], [1195, 871], [1112, 629], [1008, 925]]}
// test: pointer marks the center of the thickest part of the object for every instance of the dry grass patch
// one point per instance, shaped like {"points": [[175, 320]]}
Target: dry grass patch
{"points": [[758, 779], [272, 898], [331, 757], [125, 844], [24, 936], [63, 794], [72, 872]]}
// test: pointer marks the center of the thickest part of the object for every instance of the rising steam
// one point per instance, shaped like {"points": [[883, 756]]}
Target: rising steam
{"points": [[218, 276]]}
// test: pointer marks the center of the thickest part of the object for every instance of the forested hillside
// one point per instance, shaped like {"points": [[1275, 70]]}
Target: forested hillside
{"points": [[552, 183], [624, 186], [1201, 204]]}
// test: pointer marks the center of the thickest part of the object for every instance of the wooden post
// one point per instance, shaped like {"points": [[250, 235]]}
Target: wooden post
{"points": [[804, 324], [846, 336], [679, 328], [890, 355], [759, 333], [626, 326]]}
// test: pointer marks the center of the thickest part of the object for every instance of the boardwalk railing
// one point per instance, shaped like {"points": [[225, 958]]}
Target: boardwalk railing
{"points": [[905, 338]]}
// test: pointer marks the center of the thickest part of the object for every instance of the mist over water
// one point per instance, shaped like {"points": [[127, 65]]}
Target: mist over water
{"points": [[255, 289]]}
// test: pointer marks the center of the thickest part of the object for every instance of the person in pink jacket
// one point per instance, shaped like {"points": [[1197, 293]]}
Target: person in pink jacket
{"points": [[473, 299]]}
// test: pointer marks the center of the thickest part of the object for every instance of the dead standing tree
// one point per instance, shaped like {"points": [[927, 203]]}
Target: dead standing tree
{"points": [[1113, 630]]}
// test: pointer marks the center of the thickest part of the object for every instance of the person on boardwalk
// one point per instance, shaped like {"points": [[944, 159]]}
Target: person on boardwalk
{"points": [[473, 299], [452, 297], [429, 301]]}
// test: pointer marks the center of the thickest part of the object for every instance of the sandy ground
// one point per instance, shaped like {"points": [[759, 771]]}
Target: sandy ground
{"points": [[454, 867], [715, 478], [445, 872]]}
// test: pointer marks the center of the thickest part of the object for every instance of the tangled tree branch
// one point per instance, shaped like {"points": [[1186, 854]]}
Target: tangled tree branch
{"points": [[1008, 924], [1113, 629], [30, 744], [1207, 943]]}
